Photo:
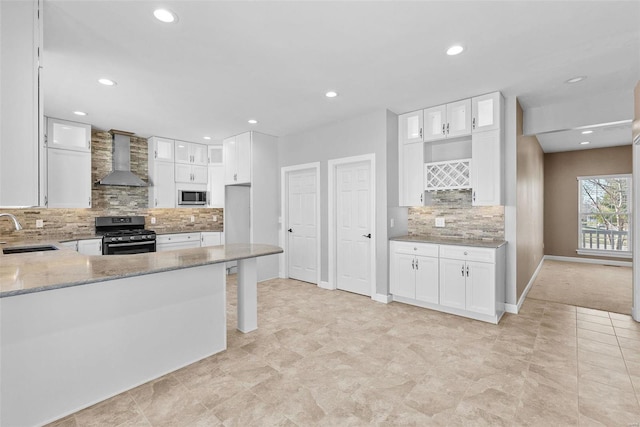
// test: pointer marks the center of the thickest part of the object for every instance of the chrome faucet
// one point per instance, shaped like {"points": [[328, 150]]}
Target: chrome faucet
{"points": [[15, 220]]}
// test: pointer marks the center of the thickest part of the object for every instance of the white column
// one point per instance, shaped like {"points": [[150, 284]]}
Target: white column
{"points": [[247, 295]]}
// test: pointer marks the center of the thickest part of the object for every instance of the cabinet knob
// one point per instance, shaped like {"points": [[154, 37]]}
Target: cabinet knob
{"points": [[466, 253], [415, 249]]}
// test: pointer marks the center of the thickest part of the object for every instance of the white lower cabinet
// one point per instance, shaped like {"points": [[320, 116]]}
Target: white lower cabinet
{"points": [[90, 246], [170, 242], [462, 280], [414, 271], [210, 238]]}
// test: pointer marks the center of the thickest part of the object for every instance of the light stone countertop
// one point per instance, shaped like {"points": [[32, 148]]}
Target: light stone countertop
{"points": [[492, 244], [41, 271]]}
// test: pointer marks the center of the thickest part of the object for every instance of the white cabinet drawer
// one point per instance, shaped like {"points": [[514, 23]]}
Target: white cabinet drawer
{"points": [[411, 248], [468, 253], [178, 238]]}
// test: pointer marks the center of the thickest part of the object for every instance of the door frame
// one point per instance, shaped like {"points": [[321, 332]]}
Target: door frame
{"points": [[332, 170], [284, 208]]}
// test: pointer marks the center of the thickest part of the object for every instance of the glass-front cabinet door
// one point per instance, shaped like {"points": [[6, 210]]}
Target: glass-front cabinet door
{"points": [[68, 135], [486, 112], [435, 123], [411, 127], [459, 118]]}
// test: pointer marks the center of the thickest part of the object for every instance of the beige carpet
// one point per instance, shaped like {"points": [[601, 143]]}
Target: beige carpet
{"points": [[600, 287]]}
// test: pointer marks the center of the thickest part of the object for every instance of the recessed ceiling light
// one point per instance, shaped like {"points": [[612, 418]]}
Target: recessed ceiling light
{"points": [[331, 94], [79, 113], [576, 79], [587, 132], [206, 137], [455, 50], [165, 15], [584, 143], [107, 82], [252, 121]]}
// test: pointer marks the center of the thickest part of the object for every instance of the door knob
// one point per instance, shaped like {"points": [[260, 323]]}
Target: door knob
{"points": [[290, 230], [368, 236]]}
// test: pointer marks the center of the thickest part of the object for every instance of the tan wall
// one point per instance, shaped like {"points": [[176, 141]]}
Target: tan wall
{"points": [[561, 191], [636, 116], [529, 205]]}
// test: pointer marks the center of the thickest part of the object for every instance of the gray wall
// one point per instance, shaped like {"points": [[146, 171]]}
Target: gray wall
{"points": [[374, 133]]}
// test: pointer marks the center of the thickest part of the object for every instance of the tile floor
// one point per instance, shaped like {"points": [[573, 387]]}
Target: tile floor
{"points": [[330, 358]]}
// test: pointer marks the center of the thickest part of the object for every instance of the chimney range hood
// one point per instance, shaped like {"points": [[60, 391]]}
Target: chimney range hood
{"points": [[121, 171]]}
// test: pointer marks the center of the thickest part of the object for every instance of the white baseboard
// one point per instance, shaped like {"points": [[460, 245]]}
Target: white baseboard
{"points": [[589, 260], [515, 308], [325, 285], [385, 299]]}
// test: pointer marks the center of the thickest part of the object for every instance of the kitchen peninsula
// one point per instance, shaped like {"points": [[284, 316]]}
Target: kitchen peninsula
{"points": [[78, 329]]}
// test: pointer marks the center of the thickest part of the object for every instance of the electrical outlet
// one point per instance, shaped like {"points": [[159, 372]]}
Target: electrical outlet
{"points": [[39, 223], [215, 218], [153, 220], [440, 222], [193, 218]]}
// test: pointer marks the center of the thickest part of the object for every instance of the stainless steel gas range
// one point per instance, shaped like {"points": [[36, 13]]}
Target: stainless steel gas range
{"points": [[125, 235]]}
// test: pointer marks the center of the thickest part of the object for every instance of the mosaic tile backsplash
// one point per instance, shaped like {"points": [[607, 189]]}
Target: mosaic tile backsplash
{"points": [[462, 221]]}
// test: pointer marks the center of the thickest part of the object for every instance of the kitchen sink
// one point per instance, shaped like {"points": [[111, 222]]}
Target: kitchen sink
{"points": [[26, 249]]}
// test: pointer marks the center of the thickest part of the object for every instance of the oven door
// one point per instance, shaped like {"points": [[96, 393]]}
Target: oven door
{"points": [[128, 248]]}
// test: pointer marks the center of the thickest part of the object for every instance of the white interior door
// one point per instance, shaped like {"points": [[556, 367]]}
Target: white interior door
{"points": [[302, 228], [353, 227]]}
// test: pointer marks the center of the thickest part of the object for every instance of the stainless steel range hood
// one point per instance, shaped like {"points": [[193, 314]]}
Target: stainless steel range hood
{"points": [[121, 172]]}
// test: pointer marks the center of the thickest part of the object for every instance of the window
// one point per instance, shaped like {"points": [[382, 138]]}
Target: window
{"points": [[604, 214]]}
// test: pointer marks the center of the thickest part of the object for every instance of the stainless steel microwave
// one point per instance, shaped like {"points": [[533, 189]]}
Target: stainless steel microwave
{"points": [[191, 197]]}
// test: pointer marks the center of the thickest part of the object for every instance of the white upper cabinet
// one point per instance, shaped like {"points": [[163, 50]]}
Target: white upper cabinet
{"points": [[68, 135], [191, 153], [435, 123], [459, 118], [68, 165], [162, 185], [162, 149], [215, 181], [20, 103], [410, 127], [237, 159], [448, 120], [486, 173], [412, 174], [68, 179], [486, 112]]}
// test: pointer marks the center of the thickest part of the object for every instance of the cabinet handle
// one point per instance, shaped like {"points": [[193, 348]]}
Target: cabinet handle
{"points": [[413, 264], [156, 202], [443, 129], [467, 271], [417, 265], [421, 194], [474, 195], [155, 154], [89, 201], [473, 123], [46, 200], [235, 176], [447, 128], [462, 270], [420, 133]]}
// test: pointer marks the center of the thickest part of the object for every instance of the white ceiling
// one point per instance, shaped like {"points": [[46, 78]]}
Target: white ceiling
{"points": [[225, 62], [570, 140]]}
